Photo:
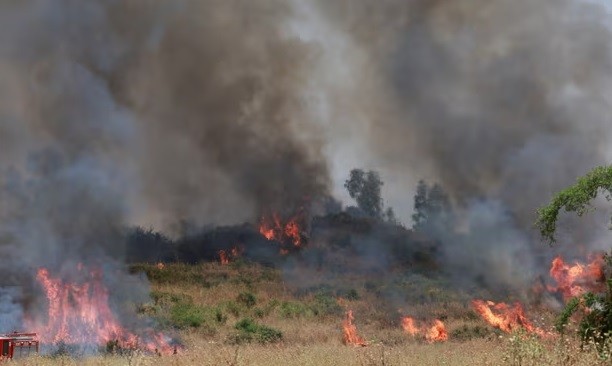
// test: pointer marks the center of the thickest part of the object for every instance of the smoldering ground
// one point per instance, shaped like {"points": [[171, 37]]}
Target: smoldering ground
{"points": [[212, 112]]}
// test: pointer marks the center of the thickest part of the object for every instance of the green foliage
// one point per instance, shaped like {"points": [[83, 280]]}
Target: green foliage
{"points": [[525, 349], [576, 198], [174, 274], [249, 330], [563, 319], [365, 189], [247, 299], [432, 209], [187, 315], [466, 333], [595, 325], [325, 304], [292, 309], [234, 308], [352, 295]]}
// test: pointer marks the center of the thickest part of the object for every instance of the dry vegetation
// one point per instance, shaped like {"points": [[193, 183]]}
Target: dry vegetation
{"points": [[204, 303]]}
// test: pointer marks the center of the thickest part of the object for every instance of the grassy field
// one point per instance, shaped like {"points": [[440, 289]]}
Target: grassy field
{"points": [[241, 314]]}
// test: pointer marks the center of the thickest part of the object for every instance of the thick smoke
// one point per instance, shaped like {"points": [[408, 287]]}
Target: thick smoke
{"points": [[502, 102], [503, 99], [145, 112], [212, 112]]}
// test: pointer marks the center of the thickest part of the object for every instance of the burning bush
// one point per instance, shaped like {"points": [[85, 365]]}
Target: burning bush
{"points": [[596, 323]]}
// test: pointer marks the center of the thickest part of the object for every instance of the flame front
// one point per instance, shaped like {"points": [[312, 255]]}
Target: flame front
{"points": [[79, 313], [350, 331], [577, 279], [435, 333], [505, 317]]}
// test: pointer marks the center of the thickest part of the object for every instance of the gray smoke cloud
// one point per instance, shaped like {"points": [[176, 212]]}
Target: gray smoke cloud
{"points": [[212, 112], [147, 112], [503, 99], [502, 102]]}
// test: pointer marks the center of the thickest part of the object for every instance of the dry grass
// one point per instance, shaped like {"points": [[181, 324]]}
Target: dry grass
{"points": [[315, 339]]}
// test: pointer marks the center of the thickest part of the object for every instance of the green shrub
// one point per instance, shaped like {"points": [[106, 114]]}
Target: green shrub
{"points": [[466, 333], [170, 273], [187, 315], [248, 331], [233, 308], [294, 310], [596, 323], [247, 299], [326, 305], [352, 295], [524, 349]]}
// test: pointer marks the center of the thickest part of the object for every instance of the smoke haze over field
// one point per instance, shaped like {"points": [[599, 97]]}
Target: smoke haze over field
{"points": [[212, 112]]}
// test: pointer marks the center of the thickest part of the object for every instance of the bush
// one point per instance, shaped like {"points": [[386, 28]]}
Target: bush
{"points": [[187, 315], [466, 333], [596, 323], [326, 305], [247, 299], [295, 310], [248, 331]]}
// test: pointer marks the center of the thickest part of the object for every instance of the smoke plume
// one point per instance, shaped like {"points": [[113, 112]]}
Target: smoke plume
{"points": [[214, 112]]}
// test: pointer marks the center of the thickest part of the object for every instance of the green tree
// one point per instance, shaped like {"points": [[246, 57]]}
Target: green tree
{"points": [[365, 189], [420, 205], [432, 209], [576, 198], [596, 323]]}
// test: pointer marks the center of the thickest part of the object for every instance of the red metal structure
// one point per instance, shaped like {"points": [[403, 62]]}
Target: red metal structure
{"points": [[18, 345]]}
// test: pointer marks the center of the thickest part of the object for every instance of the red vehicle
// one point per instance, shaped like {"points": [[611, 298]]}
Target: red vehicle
{"points": [[18, 345]]}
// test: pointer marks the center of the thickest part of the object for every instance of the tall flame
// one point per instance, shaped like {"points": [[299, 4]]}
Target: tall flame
{"points": [[577, 279], [79, 313], [350, 331]]}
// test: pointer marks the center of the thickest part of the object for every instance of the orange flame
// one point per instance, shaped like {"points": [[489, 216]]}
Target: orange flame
{"points": [[350, 331], [160, 265], [410, 326], [504, 317], [436, 333], [577, 279], [223, 258], [272, 228], [79, 313]]}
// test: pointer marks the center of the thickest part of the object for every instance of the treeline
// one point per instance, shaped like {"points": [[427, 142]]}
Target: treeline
{"points": [[367, 236]]}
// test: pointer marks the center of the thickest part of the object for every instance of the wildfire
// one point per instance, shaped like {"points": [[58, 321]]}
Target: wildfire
{"points": [[225, 257], [575, 280], [506, 318], [273, 228], [79, 313], [435, 333], [350, 332], [410, 326]]}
